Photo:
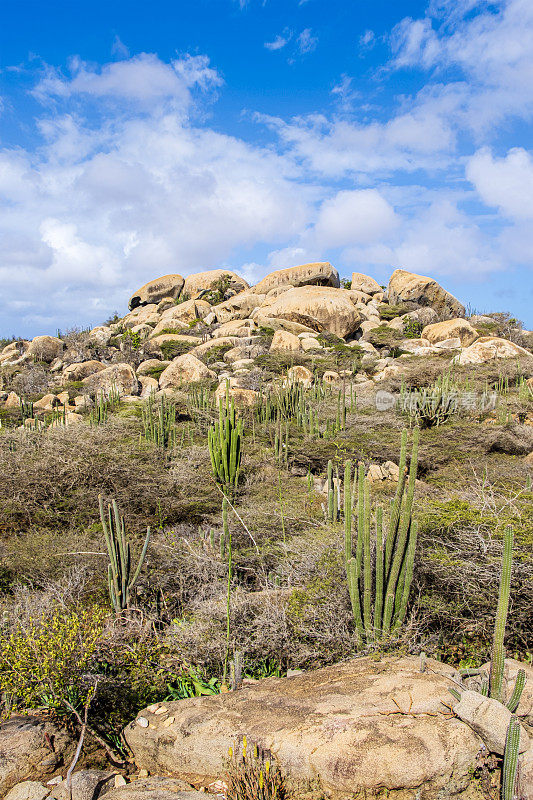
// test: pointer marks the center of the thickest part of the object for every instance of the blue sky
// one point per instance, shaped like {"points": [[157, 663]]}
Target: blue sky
{"points": [[138, 139]]}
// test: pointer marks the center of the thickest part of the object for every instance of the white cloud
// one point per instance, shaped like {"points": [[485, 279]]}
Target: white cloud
{"points": [[119, 49], [491, 43], [306, 41], [113, 205], [143, 80], [367, 40], [504, 182], [414, 42], [279, 42], [353, 217], [444, 241]]}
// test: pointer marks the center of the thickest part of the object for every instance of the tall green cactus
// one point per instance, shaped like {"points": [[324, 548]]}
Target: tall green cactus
{"points": [[379, 590], [158, 421], [497, 662], [225, 446], [120, 578], [510, 760]]}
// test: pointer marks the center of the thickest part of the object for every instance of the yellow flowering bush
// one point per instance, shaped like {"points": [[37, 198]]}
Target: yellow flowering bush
{"points": [[47, 659]]}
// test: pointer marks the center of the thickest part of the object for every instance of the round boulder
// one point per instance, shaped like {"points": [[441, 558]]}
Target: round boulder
{"points": [[212, 280], [320, 273], [331, 308], [418, 290], [156, 290]]}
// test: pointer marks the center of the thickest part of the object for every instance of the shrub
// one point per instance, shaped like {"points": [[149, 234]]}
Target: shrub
{"points": [[383, 336], [172, 349], [48, 659], [412, 329], [387, 311]]}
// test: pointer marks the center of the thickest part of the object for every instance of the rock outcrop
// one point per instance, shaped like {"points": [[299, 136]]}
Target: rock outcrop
{"points": [[360, 726], [418, 290], [451, 329], [488, 348], [184, 369]]}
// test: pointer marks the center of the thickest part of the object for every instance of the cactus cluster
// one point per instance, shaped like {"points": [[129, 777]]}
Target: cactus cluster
{"points": [[225, 439], [121, 576], [381, 571], [291, 402], [429, 407], [158, 420]]}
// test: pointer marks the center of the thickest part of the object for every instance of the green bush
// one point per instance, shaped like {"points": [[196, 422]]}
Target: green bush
{"points": [[48, 658]]}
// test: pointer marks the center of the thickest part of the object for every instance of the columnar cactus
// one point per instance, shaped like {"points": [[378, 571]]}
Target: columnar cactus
{"points": [[510, 760], [225, 446], [379, 591], [120, 578], [497, 662]]}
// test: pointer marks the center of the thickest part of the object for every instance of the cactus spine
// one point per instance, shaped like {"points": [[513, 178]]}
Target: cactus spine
{"points": [[497, 662], [120, 578], [510, 760], [379, 592]]}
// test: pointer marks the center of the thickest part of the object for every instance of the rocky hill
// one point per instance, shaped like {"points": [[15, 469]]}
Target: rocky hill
{"points": [[212, 325], [337, 482]]}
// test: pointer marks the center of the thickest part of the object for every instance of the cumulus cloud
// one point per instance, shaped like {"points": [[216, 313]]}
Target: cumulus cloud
{"points": [[130, 181], [143, 80], [352, 217], [506, 183], [101, 209]]}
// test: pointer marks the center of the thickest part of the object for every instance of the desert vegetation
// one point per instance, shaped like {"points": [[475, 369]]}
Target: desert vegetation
{"points": [[180, 543]]}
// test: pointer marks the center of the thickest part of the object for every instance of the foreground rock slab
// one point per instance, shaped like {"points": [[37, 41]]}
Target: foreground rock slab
{"points": [[361, 725]]}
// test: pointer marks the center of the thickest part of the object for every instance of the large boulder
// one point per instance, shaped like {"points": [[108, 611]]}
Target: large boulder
{"points": [[487, 348], [184, 369], [211, 280], [364, 283], [117, 377], [241, 328], [364, 725], [261, 318], [318, 274], [417, 290], [142, 315], [31, 748], [331, 308], [242, 398], [44, 348], [180, 316], [283, 341], [451, 329], [238, 307], [100, 335], [154, 291], [77, 372]]}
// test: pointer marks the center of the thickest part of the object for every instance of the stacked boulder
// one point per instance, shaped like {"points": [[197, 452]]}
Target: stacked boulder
{"points": [[213, 325]]}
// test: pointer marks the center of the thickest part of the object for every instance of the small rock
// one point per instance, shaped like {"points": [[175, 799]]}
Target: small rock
{"points": [[27, 790], [142, 722]]}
